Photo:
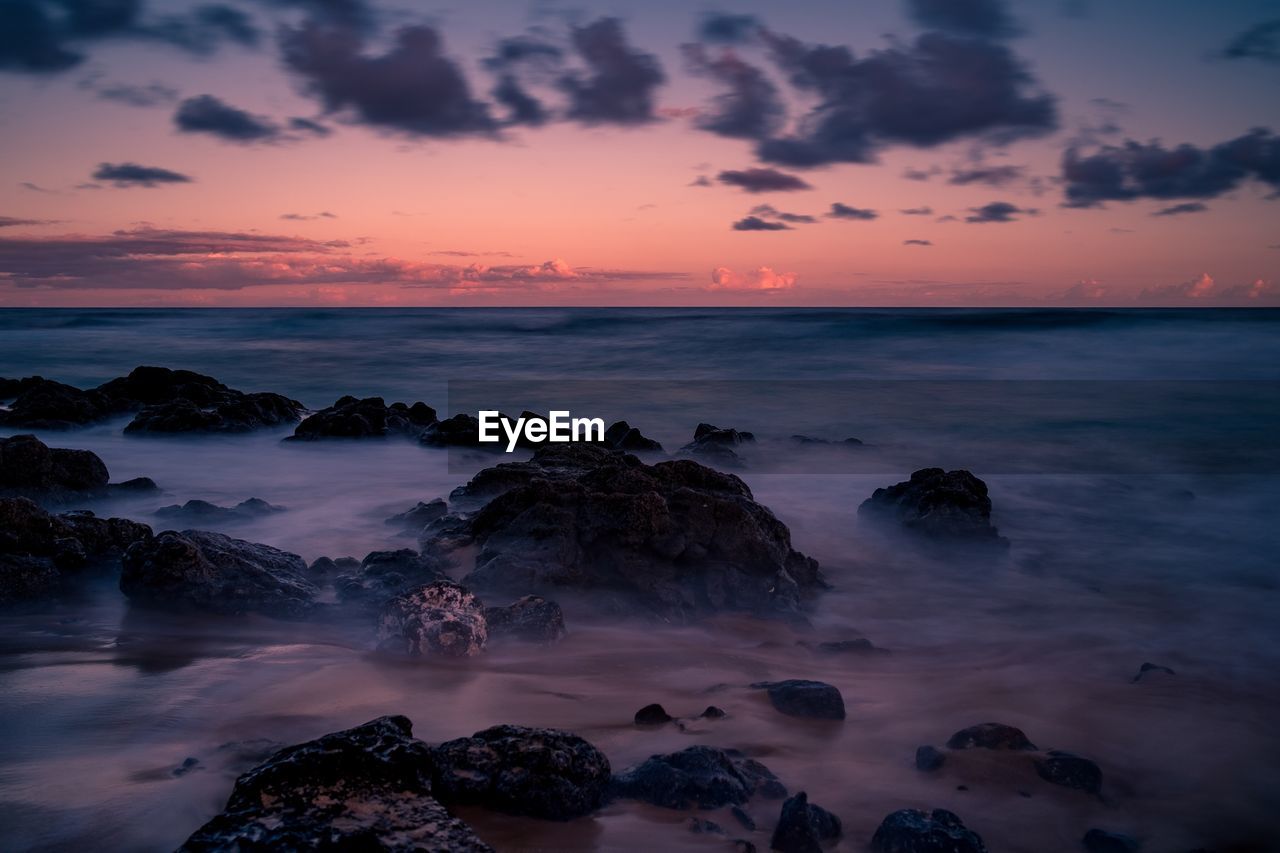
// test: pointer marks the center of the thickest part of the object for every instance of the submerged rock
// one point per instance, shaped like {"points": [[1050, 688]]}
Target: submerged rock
{"points": [[439, 618], [543, 773], [30, 468], [949, 505], [366, 788], [420, 515], [203, 512], [1152, 669], [916, 831], [697, 777], [39, 403], [40, 552], [382, 575], [990, 736], [797, 697], [716, 444], [809, 441], [652, 715], [531, 619], [803, 826], [929, 758], [623, 436], [1070, 771], [211, 572], [675, 540], [368, 418], [1102, 841]]}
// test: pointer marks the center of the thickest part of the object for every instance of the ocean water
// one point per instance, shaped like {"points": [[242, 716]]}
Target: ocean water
{"points": [[1132, 464]]}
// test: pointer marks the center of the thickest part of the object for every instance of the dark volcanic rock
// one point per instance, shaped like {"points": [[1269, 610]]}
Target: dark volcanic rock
{"points": [[1101, 841], [532, 619], [384, 574], [929, 758], [949, 505], [172, 401], [202, 512], [30, 468], [1152, 669], [40, 403], [367, 418], [327, 567], [697, 777], [457, 431], [367, 789], [544, 773], [439, 618], [916, 831], [211, 572], [803, 826], [676, 540], [716, 445], [623, 436], [990, 736], [652, 715], [420, 516], [39, 552], [798, 697], [1070, 771]]}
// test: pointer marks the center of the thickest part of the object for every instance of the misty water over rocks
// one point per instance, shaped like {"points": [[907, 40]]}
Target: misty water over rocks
{"points": [[103, 704]]}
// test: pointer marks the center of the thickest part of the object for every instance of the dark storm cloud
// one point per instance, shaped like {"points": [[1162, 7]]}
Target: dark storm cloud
{"points": [[755, 223], [770, 212], [511, 57], [727, 28], [992, 176], [207, 114], [998, 211], [151, 95], [48, 36], [934, 90], [619, 82], [989, 18], [917, 211], [751, 108], [917, 242], [762, 180], [1149, 170], [1179, 209], [134, 175], [1261, 41], [844, 211], [413, 88]]}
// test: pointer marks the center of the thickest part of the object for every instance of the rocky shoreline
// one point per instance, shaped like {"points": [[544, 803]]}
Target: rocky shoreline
{"points": [[506, 557]]}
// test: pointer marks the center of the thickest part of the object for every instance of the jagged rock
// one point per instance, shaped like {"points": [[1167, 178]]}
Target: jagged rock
{"points": [[1152, 669], [623, 436], [207, 571], [173, 401], [326, 567], [439, 618], [916, 831], [384, 574], [929, 758], [675, 540], [697, 777], [803, 826], [1102, 841], [990, 736], [711, 712], [532, 619], [30, 468], [39, 403], [544, 773], [367, 418], [195, 512], [797, 697], [420, 516], [367, 788], [39, 552], [652, 715], [948, 505], [1070, 771], [716, 445], [457, 431]]}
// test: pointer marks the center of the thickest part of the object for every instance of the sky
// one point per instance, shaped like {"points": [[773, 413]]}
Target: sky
{"points": [[862, 152]]}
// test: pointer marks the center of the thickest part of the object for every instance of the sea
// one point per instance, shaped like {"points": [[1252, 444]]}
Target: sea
{"points": [[1132, 459]]}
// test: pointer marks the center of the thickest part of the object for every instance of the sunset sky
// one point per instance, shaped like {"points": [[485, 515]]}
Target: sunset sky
{"points": [[860, 152]]}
